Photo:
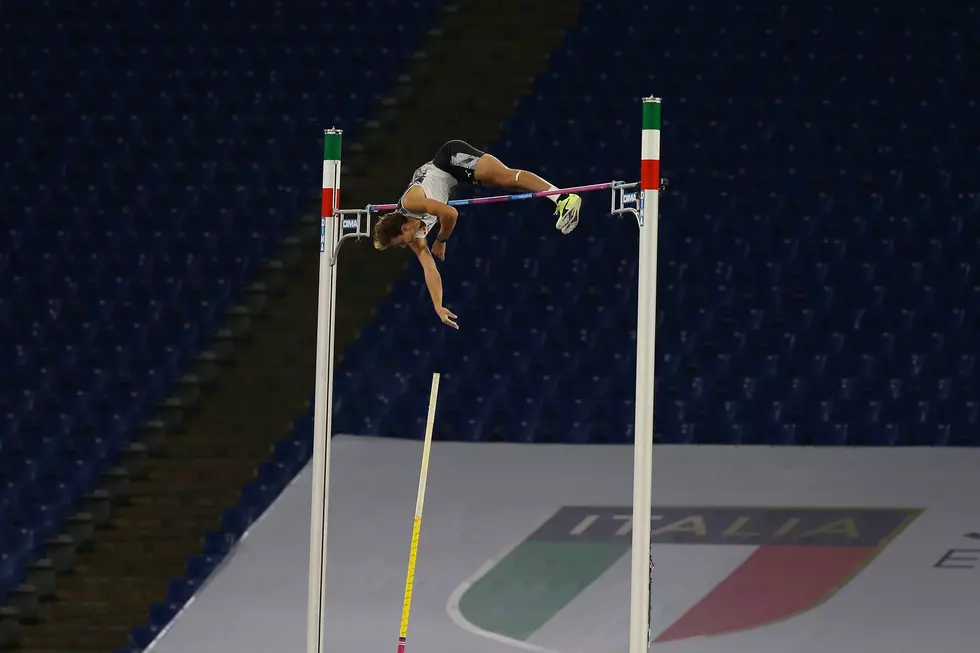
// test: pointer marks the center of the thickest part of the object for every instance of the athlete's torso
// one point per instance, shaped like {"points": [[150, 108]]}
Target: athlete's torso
{"points": [[437, 184]]}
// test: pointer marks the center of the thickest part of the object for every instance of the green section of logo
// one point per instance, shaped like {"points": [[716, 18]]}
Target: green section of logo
{"points": [[533, 583]]}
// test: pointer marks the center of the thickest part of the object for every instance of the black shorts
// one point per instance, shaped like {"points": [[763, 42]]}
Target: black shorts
{"points": [[458, 158]]}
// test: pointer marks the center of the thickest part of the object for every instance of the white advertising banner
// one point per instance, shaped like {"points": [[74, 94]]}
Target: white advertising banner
{"points": [[525, 547]]}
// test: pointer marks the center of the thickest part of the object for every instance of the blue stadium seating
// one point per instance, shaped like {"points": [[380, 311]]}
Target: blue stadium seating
{"points": [[152, 155], [817, 243]]}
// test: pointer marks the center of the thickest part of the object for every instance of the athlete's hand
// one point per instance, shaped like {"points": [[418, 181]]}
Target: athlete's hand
{"points": [[439, 250], [447, 317]]}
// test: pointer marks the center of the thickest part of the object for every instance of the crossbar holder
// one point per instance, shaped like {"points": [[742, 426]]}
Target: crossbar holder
{"points": [[354, 223], [621, 194], [624, 194]]}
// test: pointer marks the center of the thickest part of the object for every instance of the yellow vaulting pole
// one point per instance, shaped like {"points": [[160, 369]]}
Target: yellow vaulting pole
{"points": [[417, 525]]}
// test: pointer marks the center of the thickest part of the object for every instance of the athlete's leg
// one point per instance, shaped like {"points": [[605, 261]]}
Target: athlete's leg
{"points": [[490, 171]]}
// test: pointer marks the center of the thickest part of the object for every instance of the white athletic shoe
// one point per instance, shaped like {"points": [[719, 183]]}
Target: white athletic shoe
{"points": [[567, 211]]}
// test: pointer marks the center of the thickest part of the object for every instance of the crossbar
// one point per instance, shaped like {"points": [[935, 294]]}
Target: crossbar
{"points": [[519, 196], [356, 223]]}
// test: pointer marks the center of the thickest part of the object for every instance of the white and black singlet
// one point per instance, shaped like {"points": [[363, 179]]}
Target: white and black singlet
{"points": [[454, 163]]}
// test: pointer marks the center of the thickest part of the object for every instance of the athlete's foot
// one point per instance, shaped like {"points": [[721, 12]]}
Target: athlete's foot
{"points": [[567, 210]]}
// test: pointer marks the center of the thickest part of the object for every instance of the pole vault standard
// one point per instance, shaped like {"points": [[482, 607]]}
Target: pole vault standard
{"points": [[641, 571], [323, 397], [338, 225]]}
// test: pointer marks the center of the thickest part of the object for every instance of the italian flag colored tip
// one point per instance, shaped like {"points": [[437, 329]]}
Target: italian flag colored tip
{"points": [[331, 145], [650, 152], [651, 113]]}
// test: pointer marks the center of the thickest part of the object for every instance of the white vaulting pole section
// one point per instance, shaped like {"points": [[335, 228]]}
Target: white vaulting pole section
{"points": [[417, 522], [323, 399], [646, 323]]}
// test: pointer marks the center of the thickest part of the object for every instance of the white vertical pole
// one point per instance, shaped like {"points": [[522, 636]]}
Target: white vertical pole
{"points": [[646, 322], [323, 399]]}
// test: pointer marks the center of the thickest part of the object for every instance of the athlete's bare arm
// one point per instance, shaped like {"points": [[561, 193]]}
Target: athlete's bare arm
{"points": [[433, 280], [416, 201]]}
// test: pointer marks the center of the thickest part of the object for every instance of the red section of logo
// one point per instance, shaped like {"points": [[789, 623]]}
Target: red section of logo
{"points": [[774, 583]]}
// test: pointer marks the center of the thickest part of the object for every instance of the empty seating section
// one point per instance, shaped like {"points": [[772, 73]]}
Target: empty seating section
{"points": [[817, 245], [152, 155]]}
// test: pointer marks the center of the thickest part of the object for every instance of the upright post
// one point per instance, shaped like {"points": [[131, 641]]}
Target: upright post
{"points": [[323, 399], [646, 325]]}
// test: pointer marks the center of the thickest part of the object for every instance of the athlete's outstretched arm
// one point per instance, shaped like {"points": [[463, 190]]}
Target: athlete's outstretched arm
{"points": [[433, 280]]}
